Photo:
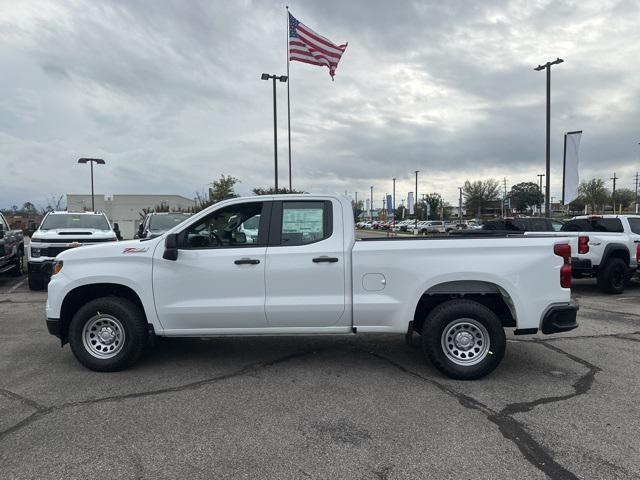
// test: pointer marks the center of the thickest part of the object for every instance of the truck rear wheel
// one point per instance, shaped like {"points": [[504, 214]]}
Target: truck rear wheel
{"points": [[463, 339], [613, 278], [108, 334]]}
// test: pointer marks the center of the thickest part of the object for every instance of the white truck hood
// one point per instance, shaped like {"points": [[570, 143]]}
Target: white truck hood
{"points": [[74, 234], [103, 251]]}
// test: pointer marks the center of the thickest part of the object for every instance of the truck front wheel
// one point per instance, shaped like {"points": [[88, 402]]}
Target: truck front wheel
{"points": [[108, 334], [463, 339]]}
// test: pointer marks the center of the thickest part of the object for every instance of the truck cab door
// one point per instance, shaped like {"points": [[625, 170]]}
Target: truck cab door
{"points": [[305, 267], [216, 283]]}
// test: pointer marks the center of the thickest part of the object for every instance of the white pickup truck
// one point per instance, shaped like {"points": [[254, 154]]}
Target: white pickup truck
{"points": [[606, 247], [305, 273], [61, 231]]}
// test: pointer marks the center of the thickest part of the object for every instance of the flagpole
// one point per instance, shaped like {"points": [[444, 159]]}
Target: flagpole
{"points": [[288, 101]]}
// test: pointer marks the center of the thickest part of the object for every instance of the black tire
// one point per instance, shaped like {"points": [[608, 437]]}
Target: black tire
{"points": [[36, 282], [18, 269], [477, 324], [133, 333], [614, 276]]}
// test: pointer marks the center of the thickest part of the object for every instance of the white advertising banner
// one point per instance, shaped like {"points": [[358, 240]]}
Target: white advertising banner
{"points": [[368, 208], [571, 179], [410, 203]]}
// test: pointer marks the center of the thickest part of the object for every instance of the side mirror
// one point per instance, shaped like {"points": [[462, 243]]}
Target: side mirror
{"points": [[171, 247], [239, 237]]}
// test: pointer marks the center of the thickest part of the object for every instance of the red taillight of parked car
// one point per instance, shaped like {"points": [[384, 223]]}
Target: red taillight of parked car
{"points": [[638, 253], [583, 245], [564, 250]]}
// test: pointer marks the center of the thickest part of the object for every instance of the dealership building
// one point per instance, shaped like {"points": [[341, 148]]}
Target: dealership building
{"points": [[127, 210]]}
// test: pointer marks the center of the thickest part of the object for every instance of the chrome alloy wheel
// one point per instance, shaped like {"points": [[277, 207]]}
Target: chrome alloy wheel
{"points": [[103, 336], [465, 341]]}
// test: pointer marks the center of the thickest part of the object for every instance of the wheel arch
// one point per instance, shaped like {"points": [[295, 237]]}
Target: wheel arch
{"points": [[616, 250], [83, 294], [489, 294]]}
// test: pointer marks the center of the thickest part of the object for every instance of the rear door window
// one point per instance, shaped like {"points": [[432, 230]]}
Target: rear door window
{"points": [[612, 225], [302, 223], [634, 223]]}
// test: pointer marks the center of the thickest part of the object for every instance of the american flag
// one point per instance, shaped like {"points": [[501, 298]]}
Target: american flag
{"points": [[307, 46]]}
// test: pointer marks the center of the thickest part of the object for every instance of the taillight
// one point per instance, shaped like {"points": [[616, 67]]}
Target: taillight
{"points": [[583, 244], [637, 252], [564, 250]]}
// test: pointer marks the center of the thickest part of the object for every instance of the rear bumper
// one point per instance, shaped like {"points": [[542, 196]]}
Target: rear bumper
{"points": [[581, 265], [559, 318]]}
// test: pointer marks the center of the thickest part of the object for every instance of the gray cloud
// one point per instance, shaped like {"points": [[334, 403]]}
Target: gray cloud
{"points": [[169, 93]]}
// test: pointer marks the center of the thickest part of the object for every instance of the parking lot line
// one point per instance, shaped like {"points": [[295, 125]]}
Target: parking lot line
{"points": [[17, 285]]}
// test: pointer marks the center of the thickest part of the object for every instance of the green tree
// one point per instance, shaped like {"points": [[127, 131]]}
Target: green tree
{"points": [[625, 197], [358, 209], [29, 208], [525, 195], [479, 193], [594, 193], [435, 203], [222, 188]]}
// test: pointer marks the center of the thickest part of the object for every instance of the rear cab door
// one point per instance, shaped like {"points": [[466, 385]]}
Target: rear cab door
{"points": [[306, 276]]}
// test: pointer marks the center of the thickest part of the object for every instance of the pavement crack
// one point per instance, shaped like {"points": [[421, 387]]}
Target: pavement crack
{"points": [[580, 387], [246, 370], [27, 401], [511, 429]]}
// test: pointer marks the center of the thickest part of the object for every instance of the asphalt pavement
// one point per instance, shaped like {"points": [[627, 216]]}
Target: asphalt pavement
{"points": [[361, 406]]}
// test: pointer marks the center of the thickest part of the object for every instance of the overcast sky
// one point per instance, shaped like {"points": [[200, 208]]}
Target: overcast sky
{"points": [[169, 94]]}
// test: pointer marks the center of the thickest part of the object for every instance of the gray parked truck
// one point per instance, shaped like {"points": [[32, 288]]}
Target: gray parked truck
{"points": [[11, 249]]}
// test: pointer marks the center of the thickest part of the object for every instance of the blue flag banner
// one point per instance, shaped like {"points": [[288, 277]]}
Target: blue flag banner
{"points": [[389, 204]]}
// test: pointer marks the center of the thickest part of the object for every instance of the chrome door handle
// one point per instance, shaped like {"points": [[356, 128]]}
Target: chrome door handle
{"points": [[247, 261], [325, 259]]}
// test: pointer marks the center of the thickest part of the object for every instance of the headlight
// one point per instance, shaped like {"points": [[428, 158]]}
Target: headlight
{"points": [[57, 266], [35, 252]]}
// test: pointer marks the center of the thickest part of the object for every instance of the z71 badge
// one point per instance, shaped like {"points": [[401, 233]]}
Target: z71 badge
{"points": [[135, 249]]}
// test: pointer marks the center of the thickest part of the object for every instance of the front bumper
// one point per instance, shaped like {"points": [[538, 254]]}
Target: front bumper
{"points": [[560, 318], [44, 267], [53, 325]]}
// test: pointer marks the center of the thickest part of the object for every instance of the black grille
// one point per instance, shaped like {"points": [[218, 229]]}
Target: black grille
{"points": [[52, 251]]}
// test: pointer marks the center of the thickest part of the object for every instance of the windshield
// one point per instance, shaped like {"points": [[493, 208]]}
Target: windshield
{"points": [[167, 222], [70, 220]]}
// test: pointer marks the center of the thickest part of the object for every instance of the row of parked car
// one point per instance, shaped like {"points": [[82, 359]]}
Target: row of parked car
{"points": [[604, 247], [62, 230], [420, 227]]}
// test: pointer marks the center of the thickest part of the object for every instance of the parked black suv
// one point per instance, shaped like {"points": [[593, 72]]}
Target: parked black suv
{"points": [[524, 224]]}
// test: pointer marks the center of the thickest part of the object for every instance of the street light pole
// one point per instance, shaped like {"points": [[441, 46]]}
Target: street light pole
{"points": [[415, 201], [540, 175], [371, 205], [547, 66], [91, 161], [460, 208], [282, 78], [393, 206]]}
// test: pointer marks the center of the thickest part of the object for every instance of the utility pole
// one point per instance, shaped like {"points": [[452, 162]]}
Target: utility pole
{"points": [[371, 205], [613, 195], [393, 206], [504, 197], [356, 206], [91, 161], [636, 192], [539, 68], [540, 175], [460, 208], [415, 207]]}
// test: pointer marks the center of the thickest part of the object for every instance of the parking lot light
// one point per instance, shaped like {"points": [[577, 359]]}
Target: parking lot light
{"points": [[91, 161]]}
